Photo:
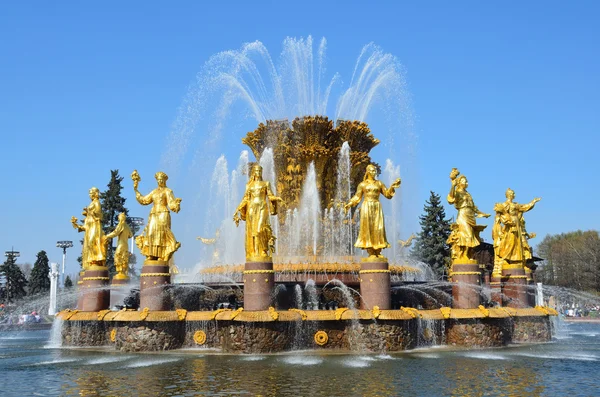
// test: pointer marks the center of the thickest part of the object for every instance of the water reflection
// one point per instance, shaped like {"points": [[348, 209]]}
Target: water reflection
{"points": [[566, 367]]}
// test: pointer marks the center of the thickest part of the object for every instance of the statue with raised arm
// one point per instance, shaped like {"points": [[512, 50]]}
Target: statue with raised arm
{"points": [[464, 234], [510, 236], [123, 234], [157, 242], [94, 250], [257, 205], [371, 234]]}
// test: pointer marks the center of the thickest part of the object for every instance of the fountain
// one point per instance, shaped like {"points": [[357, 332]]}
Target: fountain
{"points": [[314, 274]]}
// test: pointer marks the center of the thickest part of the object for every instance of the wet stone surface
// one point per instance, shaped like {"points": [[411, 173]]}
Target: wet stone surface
{"points": [[479, 333], [531, 329]]}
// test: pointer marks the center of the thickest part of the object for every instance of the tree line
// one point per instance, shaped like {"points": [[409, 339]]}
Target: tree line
{"points": [[571, 260]]}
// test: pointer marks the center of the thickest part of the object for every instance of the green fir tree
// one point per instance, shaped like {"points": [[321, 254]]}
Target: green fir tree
{"points": [[112, 205], [430, 245], [68, 282], [39, 280], [15, 281]]}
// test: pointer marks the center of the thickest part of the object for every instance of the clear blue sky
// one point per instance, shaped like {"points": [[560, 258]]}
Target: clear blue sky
{"points": [[507, 92]]}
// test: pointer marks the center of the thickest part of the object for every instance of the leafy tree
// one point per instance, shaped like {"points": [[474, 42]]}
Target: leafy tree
{"points": [[15, 281], [430, 245], [571, 260], [112, 205], [68, 282], [39, 281]]}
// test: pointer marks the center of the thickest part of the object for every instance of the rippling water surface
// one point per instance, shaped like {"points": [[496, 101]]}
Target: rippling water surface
{"points": [[567, 366]]}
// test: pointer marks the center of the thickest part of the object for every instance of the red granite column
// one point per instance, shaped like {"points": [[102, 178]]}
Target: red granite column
{"points": [[96, 294], [375, 287], [531, 290], [80, 290], [466, 285], [259, 281], [496, 289], [118, 289], [515, 286], [154, 279]]}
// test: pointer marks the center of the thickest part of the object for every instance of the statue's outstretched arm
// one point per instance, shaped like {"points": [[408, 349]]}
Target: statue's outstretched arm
{"points": [[143, 200], [173, 203], [118, 230], [529, 206], [389, 193], [356, 199], [78, 227]]}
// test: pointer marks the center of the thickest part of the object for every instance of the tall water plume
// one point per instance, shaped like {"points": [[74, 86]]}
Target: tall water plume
{"points": [[391, 172], [237, 89], [310, 211], [343, 194]]}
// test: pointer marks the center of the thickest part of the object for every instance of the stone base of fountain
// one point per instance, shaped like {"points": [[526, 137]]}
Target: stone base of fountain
{"points": [[259, 280], [375, 285], [466, 285], [155, 277], [269, 331], [95, 295], [514, 287]]}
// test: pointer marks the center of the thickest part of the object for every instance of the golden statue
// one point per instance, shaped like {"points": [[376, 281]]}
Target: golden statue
{"points": [[464, 235], [212, 241], [94, 250], [510, 237], [158, 242], [123, 233], [371, 234], [258, 202], [406, 243]]}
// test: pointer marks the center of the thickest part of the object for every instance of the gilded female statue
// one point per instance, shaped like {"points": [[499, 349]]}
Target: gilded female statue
{"points": [[123, 233], [257, 204], [510, 236], [371, 234], [465, 231], [157, 242], [94, 250]]}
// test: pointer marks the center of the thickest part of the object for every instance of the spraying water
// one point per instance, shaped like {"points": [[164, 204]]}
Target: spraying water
{"points": [[238, 88]]}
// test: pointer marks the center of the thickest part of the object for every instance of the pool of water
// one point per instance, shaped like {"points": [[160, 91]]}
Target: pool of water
{"points": [[30, 366]]}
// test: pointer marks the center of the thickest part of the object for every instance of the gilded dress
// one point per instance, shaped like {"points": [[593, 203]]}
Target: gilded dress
{"points": [[371, 233], [512, 244], [123, 233], [467, 230], [94, 251], [158, 240], [258, 204]]}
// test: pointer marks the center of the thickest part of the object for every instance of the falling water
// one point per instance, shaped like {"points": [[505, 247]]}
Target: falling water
{"points": [[355, 338], [377, 76], [312, 299], [278, 290], [237, 86], [298, 300], [310, 209], [219, 189], [342, 195], [390, 174], [55, 340]]}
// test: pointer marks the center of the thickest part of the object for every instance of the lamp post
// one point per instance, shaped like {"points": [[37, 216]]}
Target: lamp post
{"points": [[134, 222], [64, 245], [12, 254]]}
